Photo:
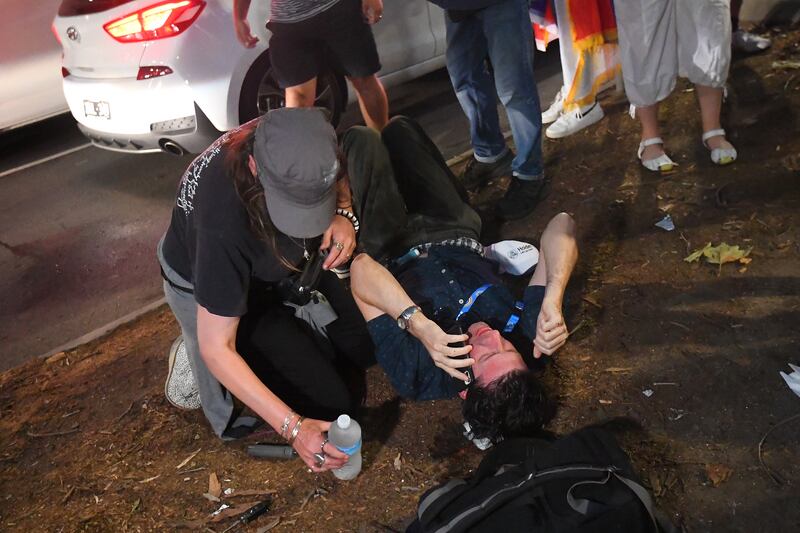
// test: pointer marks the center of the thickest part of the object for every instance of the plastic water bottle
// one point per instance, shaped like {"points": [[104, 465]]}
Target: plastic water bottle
{"points": [[345, 434]]}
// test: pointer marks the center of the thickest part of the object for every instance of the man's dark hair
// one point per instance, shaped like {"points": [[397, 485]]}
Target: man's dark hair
{"points": [[515, 405]]}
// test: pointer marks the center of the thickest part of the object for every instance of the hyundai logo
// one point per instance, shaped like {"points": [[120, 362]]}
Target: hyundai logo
{"points": [[73, 34]]}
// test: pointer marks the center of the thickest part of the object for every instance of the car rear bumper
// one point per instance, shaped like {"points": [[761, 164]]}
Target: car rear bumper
{"points": [[195, 137], [130, 115]]}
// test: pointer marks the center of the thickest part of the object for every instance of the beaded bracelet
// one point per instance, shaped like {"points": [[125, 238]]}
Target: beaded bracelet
{"points": [[286, 422], [296, 429], [349, 216]]}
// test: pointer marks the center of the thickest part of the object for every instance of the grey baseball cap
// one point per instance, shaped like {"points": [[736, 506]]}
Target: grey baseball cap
{"points": [[295, 152]]}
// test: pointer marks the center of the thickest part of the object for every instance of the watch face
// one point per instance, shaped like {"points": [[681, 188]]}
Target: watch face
{"points": [[401, 323]]}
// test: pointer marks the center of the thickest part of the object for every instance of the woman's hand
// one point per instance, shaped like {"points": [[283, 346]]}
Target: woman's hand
{"points": [[436, 342], [309, 442], [340, 241]]}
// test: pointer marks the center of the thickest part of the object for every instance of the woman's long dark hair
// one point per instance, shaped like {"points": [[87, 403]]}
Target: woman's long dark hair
{"points": [[250, 191]]}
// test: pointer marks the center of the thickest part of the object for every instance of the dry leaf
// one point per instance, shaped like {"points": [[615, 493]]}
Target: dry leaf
{"points": [[720, 254], [210, 497], [186, 461], [718, 474], [214, 487], [398, 463]]}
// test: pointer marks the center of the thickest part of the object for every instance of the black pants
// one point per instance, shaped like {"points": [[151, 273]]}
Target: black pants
{"points": [[317, 377], [403, 191]]}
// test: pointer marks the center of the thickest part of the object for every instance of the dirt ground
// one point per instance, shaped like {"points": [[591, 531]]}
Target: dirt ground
{"points": [[682, 357]]}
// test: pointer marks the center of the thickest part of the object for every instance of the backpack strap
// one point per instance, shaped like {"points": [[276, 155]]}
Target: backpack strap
{"points": [[440, 496], [581, 505]]}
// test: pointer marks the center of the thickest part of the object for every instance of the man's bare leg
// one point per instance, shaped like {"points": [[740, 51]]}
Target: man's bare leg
{"points": [[372, 101], [302, 95]]}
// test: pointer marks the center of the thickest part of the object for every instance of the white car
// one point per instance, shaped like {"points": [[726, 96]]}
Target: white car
{"points": [[154, 75], [30, 63]]}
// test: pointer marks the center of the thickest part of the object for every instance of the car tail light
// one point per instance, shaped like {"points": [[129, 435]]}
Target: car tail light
{"points": [[145, 73], [158, 21], [55, 32], [64, 72]]}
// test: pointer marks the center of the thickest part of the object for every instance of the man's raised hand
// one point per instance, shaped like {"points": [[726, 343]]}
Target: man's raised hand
{"points": [[551, 332]]}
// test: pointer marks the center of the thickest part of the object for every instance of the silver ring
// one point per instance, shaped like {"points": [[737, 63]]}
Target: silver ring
{"points": [[320, 457], [322, 446], [339, 246]]}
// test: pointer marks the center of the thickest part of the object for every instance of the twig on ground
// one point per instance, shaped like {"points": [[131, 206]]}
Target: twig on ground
{"points": [[680, 325], [35, 435], [688, 244], [120, 417], [199, 468], [768, 470], [73, 413], [68, 494], [576, 328]]}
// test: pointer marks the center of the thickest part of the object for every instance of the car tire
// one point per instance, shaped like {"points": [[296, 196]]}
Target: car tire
{"points": [[261, 93]]}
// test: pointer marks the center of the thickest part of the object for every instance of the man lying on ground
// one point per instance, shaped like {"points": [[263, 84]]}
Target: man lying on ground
{"points": [[417, 222]]}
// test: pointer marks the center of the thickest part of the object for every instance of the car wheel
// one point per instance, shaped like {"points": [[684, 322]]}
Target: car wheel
{"points": [[261, 93]]}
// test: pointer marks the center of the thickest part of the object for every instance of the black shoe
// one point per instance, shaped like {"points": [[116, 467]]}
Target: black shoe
{"points": [[520, 199], [477, 173]]}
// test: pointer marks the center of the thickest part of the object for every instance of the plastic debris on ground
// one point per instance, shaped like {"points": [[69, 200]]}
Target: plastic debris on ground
{"points": [[648, 392], [666, 223], [793, 379]]}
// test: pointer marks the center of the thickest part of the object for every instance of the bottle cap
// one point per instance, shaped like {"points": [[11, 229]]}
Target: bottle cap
{"points": [[343, 421]]}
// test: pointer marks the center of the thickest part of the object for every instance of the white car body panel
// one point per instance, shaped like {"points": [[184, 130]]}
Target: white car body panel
{"points": [[30, 63], [209, 67]]}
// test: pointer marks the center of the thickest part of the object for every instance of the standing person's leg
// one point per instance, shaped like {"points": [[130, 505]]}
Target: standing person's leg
{"points": [[293, 58], [474, 87], [349, 38], [745, 41], [372, 101], [704, 53], [649, 55], [510, 45], [509, 41], [376, 199]]}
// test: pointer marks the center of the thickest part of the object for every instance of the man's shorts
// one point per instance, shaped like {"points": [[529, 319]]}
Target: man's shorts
{"points": [[298, 50]]}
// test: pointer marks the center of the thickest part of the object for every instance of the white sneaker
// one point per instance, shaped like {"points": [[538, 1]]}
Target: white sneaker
{"points": [[569, 123], [555, 109], [750, 43], [180, 387]]}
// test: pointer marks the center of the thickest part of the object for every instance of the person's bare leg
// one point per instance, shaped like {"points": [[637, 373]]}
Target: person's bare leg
{"points": [[710, 99], [302, 95], [372, 101], [648, 117]]}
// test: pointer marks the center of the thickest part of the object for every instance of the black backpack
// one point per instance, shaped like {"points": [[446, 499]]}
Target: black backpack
{"points": [[580, 483]]}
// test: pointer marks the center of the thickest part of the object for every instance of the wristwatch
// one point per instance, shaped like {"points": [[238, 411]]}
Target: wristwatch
{"points": [[405, 317]]}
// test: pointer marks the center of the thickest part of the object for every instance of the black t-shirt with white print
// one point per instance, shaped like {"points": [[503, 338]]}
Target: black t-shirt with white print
{"points": [[210, 244]]}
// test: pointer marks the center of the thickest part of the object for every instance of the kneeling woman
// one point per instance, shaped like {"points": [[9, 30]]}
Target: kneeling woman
{"points": [[250, 212]]}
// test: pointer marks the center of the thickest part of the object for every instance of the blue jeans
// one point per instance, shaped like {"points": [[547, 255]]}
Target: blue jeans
{"points": [[502, 32]]}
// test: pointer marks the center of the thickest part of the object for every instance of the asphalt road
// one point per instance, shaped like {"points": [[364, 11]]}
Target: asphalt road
{"points": [[78, 231]]}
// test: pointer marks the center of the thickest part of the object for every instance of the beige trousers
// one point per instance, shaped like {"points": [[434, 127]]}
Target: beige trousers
{"points": [[663, 39]]}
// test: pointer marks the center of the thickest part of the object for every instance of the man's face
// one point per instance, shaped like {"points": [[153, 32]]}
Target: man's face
{"points": [[494, 356]]}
